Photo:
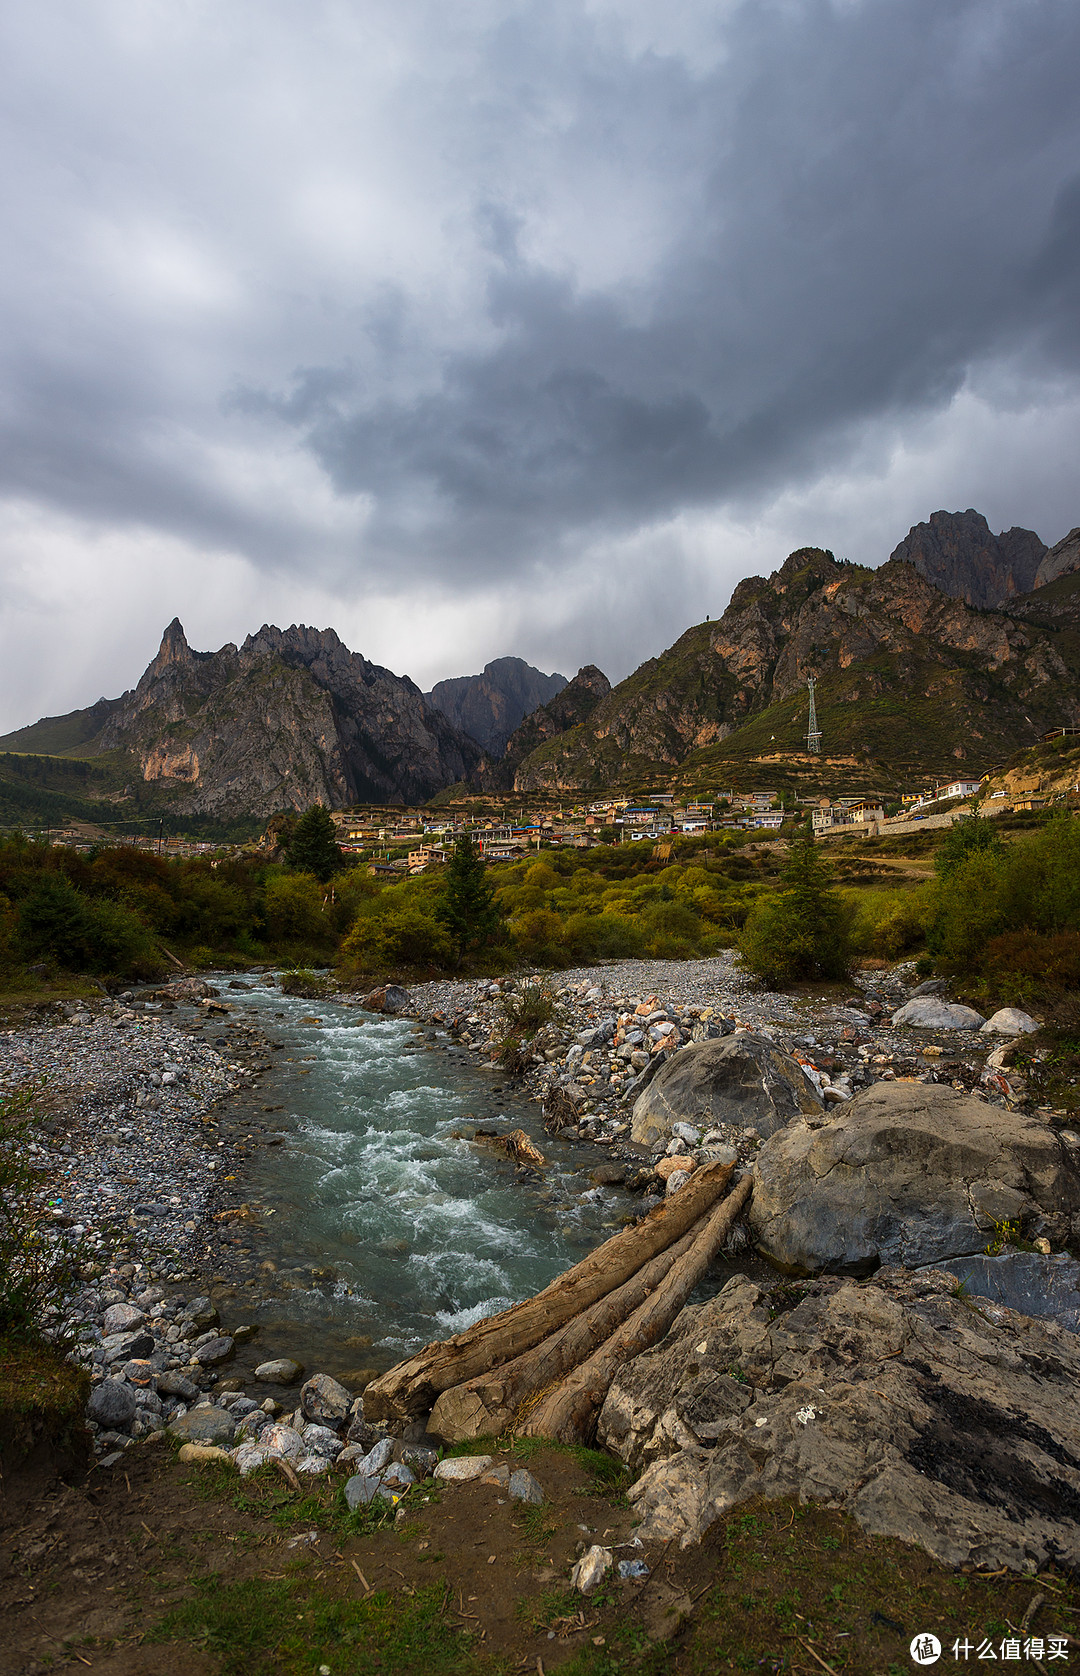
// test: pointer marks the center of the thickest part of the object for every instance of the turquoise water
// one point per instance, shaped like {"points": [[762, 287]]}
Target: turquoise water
{"points": [[389, 1227]]}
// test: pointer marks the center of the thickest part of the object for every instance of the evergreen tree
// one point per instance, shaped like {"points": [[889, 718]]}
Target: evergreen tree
{"points": [[803, 930], [312, 845], [467, 906]]}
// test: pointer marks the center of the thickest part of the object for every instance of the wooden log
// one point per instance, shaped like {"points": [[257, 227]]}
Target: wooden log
{"points": [[492, 1402], [410, 1387], [569, 1413]]}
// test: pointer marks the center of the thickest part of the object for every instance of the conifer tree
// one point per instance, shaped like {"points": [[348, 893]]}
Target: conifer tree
{"points": [[802, 930], [312, 846], [467, 906]]}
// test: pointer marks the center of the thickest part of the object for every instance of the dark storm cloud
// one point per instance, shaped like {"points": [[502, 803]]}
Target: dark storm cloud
{"points": [[534, 302], [881, 200]]}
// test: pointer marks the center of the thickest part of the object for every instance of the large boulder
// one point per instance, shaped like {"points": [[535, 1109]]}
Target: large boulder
{"points": [[942, 1420], [929, 1012], [743, 1080], [204, 1424], [907, 1173]]}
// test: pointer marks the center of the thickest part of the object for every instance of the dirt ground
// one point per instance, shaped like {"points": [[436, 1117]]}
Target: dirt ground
{"points": [[151, 1568]]}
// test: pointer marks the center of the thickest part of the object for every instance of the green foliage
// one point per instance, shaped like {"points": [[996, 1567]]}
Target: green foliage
{"points": [[964, 839], [887, 924], [467, 907], [403, 934], [528, 1008], [57, 923], [801, 930], [296, 910], [35, 1273], [312, 845], [1008, 915]]}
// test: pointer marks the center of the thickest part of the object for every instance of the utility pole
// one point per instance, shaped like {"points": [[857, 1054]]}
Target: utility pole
{"points": [[813, 732]]}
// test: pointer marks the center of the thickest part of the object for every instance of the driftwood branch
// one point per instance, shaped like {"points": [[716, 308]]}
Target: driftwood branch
{"points": [[410, 1388], [569, 1412], [494, 1401]]}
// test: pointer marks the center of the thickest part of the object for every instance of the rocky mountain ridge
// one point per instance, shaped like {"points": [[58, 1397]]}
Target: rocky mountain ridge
{"points": [[290, 718], [567, 711], [957, 552], [906, 674], [489, 706]]}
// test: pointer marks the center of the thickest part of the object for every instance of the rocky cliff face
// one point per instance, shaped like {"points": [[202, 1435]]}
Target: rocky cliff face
{"points": [[905, 673], [289, 718], [553, 721], [1061, 560], [957, 552], [490, 706]]}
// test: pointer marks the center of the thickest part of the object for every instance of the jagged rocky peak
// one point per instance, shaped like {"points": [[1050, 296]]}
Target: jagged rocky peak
{"points": [[174, 648], [958, 553], [491, 705]]}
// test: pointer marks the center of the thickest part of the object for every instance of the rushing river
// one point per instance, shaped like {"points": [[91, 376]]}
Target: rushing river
{"points": [[389, 1226]]}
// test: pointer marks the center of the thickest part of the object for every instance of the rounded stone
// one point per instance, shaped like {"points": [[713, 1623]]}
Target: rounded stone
{"points": [[736, 1081], [112, 1404], [325, 1401], [282, 1371], [204, 1424]]}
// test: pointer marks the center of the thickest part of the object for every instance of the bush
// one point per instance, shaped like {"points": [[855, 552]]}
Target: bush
{"points": [[81, 934], [887, 924], [403, 935], [296, 910], [527, 1009], [803, 929]]}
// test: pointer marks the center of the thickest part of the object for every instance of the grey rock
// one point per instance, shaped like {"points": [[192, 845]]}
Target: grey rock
{"points": [[907, 1173], [214, 1352], [1010, 1021], [422, 1461], [173, 1384], [396, 999], [282, 1439], [112, 1404], [932, 986], [205, 1424], [928, 1013], [320, 1440], [282, 1371], [126, 1347], [1047, 1288], [928, 1417], [122, 1318], [325, 1401], [462, 1469], [396, 1480], [741, 1081], [202, 1312], [360, 1490], [524, 1487], [377, 1458]]}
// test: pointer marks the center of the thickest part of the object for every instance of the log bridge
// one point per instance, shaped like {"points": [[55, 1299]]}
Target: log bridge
{"points": [[543, 1367]]}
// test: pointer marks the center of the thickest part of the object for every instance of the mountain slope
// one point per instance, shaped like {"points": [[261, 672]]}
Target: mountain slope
{"points": [[290, 718], [550, 722], [957, 552], [907, 677], [488, 707]]}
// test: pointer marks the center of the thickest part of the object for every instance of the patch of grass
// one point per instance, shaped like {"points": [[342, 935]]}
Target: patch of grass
{"points": [[265, 1495], [284, 1626]]}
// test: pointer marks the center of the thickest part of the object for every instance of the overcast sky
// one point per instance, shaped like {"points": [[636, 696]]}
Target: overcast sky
{"points": [[501, 327]]}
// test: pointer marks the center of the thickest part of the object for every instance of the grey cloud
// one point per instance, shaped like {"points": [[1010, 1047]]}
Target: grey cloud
{"points": [[678, 277]]}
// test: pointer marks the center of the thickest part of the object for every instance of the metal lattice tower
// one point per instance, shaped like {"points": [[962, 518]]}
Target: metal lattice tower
{"points": [[813, 732]]}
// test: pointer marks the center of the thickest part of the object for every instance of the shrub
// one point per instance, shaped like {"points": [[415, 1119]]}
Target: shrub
{"points": [[539, 937], [887, 923], [296, 909], [403, 935], [81, 934], [801, 930], [528, 1008]]}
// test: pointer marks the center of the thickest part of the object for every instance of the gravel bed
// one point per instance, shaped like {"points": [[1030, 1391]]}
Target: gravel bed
{"points": [[615, 1020]]}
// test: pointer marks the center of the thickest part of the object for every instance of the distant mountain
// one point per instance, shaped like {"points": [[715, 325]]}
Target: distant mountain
{"points": [[553, 721], [910, 681], [488, 707], [958, 553], [290, 718]]}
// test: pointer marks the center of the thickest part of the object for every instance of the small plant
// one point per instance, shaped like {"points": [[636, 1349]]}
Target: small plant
{"points": [[1005, 1233], [529, 1008], [309, 985]]}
